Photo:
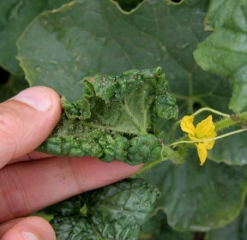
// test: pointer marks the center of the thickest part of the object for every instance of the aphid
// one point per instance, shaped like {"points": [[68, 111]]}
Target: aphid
{"points": [[234, 117]]}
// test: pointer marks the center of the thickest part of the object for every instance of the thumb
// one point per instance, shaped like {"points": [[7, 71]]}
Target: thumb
{"points": [[26, 120], [30, 228]]}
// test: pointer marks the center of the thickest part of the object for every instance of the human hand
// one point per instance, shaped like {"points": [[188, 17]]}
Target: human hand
{"points": [[29, 180]]}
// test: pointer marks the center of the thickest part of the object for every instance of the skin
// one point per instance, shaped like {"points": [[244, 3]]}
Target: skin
{"points": [[29, 180]]}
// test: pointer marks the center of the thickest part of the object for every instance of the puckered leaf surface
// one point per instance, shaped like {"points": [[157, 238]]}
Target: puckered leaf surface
{"points": [[114, 212], [15, 15], [90, 37], [115, 118]]}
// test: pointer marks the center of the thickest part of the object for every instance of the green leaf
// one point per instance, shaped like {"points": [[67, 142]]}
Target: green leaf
{"points": [[114, 212], [13, 86], [115, 118], [15, 15], [158, 229], [220, 11], [230, 150], [224, 53], [58, 50], [157, 33], [236, 230], [199, 198]]}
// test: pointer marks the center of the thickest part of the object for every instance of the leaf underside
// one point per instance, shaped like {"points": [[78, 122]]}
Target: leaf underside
{"points": [[115, 118]]}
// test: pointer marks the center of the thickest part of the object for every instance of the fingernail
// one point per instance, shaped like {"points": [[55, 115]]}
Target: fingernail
{"points": [[29, 236], [36, 98]]}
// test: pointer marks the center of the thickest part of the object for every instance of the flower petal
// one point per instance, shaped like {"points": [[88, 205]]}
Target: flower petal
{"points": [[187, 124], [205, 127], [209, 145], [202, 152]]}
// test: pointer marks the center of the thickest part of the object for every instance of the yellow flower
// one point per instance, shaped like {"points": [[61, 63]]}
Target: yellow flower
{"points": [[203, 130]]}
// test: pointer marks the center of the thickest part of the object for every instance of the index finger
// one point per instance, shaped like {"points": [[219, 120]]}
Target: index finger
{"points": [[31, 156]]}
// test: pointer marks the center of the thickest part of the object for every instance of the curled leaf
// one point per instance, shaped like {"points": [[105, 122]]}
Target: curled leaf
{"points": [[115, 118]]}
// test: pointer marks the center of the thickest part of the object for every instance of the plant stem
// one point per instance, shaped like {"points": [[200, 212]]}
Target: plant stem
{"points": [[210, 110], [173, 130], [210, 139], [227, 116], [148, 166], [167, 153], [226, 122], [232, 120]]}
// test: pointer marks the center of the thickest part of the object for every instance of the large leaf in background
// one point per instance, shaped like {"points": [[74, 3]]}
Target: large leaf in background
{"points": [[230, 150], [224, 53], [60, 48], [236, 230], [199, 198], [114, 212], [13, 86], [219, 12], [158, 229], [15, 15]]}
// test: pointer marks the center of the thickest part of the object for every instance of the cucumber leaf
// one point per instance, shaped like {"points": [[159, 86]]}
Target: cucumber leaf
{"points": [[236, 230], [114, 212], [231, 150], [220, 11], [115, 118], [15, 16], [58, 50], [224, 53], [157, 33], [197, 198], [158, 229]]}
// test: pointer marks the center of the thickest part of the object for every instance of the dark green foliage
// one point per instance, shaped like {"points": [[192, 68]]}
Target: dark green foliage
{"points": [[115, 118], [61, 47], [115, 212], [223, 52], [14, 18]]}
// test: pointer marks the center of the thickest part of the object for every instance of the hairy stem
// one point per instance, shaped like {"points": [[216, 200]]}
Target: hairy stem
{"points": [[210, 110], [232, 120], [167, 153]]}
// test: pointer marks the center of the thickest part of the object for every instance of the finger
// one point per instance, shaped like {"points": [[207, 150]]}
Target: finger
{"points": [[30, 186], [31, 228], [26, 121], [31, 156]]}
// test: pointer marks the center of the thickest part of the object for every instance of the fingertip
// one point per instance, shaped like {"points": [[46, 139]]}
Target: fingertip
{"points": [[30, 228], [26, 120], [40, 98]]}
